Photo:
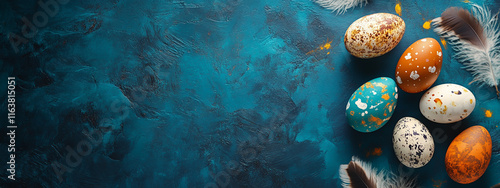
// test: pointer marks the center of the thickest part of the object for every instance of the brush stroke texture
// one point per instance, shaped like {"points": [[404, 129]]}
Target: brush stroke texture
{"points": [[184, 91]]}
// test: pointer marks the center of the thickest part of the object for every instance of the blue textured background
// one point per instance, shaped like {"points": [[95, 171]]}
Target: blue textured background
{"points": [[206, 93]]}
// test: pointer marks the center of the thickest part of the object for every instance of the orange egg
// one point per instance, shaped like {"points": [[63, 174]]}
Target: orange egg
{"points": [[468, 155], [419, 66]]}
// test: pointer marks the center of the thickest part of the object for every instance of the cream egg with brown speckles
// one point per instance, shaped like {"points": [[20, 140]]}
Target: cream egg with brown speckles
{"points": [[419, 66], [374, 35], [447, 103]]}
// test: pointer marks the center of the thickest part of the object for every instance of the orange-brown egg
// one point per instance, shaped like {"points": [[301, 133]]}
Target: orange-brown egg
{"points": [[469, 155], [419, 66]]}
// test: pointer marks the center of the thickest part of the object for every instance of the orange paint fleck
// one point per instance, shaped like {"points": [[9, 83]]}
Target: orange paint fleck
{"points": [[231, 71], [386, 96], [325, 46], [352, 113], [375, 152], [466, 1], [471, 101], [437, 183], [377, 120], [443, 42], [369, 85], [438, 102], [397, 8], [427, 24], [387, 106], [363, 122], [444, 110], [453, 103], [487, 113], [391, 107]]}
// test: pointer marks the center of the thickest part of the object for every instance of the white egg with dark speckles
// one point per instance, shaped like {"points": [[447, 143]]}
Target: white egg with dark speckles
{"points": [[412, 142]]}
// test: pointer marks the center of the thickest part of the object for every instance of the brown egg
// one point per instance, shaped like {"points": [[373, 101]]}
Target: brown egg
{"points": [[469, 155], [419, 66]]}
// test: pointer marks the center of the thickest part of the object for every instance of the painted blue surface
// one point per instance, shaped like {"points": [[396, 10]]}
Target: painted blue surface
{"points": [[203, 93]]}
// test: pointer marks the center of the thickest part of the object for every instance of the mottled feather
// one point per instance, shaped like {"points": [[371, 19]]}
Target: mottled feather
{"points": [[340, 6], [358, 177], [464, 25], [358, 174], [475, 38]]}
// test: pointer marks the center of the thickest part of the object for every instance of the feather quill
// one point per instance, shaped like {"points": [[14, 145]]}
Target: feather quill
{"points": [[359, 174], [340, 6], [475, 39]]}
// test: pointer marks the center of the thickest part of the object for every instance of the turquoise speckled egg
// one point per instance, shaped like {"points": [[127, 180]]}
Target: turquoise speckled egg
{"points": [[372, 104]]}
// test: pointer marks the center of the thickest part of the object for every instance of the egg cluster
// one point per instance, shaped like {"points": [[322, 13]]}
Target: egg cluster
{"points": [[371, 106]]}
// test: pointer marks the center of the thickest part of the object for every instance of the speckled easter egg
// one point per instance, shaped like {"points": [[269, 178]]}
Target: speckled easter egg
{"points": [[468, 155], [412, 142], [372, 104], [447, 103], [419, 66], [374, 35]]}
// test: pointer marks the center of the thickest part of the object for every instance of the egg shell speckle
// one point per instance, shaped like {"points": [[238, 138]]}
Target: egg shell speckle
{"points": [[374, 35], [447, 103], [469, 155], [372, 105], [419, 66], [412, 142]]}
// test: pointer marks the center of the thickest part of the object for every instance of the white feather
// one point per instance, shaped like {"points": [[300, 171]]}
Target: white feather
{"points": [[484, 65], [340, 6], [369, 171], [383, 179], [401, 181]]}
